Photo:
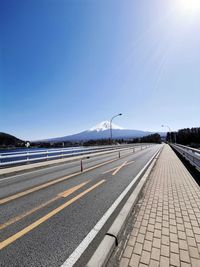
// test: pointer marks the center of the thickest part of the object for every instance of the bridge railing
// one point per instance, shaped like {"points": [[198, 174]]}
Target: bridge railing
{"points": [[189, 153], [17, 158]]}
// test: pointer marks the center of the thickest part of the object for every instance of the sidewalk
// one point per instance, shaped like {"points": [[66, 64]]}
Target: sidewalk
{"points": [[166, 230]]}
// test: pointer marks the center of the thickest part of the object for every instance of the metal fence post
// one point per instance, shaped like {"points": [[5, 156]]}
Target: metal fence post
{"points": [[81, 165]]}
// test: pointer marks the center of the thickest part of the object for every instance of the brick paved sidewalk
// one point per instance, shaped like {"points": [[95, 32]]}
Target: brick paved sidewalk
{"points": [[167, 229]]}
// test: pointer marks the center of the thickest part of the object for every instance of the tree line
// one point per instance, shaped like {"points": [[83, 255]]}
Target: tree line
{"points": [[187, 136]]}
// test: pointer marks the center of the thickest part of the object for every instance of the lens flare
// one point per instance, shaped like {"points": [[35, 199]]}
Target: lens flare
{"points": [[190, 5]]}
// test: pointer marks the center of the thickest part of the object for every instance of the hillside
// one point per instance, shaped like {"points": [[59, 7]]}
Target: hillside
{"points": [[9, 140]]}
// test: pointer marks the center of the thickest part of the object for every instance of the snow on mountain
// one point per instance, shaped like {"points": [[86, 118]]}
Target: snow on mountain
{"points": [[102, 131], [105, 125]]}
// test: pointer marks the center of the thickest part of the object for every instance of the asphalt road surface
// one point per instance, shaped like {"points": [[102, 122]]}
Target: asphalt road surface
{"points": [[45, 214]]}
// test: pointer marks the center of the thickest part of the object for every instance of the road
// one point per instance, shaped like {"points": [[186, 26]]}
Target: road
{"points": [[45, 214]]}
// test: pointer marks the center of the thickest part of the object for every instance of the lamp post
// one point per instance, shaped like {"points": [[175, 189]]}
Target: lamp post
{"points": [[111, 126], [170, 138]]}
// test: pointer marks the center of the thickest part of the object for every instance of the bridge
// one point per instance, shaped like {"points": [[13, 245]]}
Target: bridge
{"points": [[115, 206]]}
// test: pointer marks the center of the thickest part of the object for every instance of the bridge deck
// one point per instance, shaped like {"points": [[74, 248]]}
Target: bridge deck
{"points": [[166, 226]]}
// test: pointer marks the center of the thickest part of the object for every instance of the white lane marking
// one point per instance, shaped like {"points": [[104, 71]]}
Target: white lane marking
{"points": [[76, 254]]}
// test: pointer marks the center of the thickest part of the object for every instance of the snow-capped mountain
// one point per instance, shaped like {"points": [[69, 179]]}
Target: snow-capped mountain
{"points": [[101, 131], [105, 125]]}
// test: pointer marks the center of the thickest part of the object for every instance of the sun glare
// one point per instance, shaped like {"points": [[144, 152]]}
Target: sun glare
{"points": [[192, 6]]}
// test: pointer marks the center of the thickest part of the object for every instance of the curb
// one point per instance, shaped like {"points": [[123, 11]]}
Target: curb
{"points": [[110, 240]]}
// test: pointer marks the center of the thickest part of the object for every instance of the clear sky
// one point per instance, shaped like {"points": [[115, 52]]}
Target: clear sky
{"points": [[66, 65]]}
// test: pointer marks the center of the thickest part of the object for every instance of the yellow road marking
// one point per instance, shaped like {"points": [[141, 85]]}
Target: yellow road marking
{"points": [[110, 170], [130, 162], [16, 236], [71, 190], [63, 194], [39, 187], [119, 168]]}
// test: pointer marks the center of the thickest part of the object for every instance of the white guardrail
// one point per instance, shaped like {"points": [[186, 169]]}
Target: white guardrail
{"points": [[14, 158], [189, 153]]}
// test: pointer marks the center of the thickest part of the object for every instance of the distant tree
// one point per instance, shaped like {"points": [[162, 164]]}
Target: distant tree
{"points": [[187, 136], [7, 140]]}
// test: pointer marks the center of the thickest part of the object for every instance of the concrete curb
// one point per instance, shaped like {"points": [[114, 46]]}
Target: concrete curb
{"points": [[110, 241]]}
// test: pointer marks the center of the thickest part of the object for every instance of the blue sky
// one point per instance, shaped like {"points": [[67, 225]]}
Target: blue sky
{"points": [[66, 65]]}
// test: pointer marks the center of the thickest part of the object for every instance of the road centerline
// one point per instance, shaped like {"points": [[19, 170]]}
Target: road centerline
{"points": [[27, 229], [58, 196], [39, 187]]}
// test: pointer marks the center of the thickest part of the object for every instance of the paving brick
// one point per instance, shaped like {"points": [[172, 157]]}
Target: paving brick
{"points": [[165, 250], [144, 222], [194, 223], [153, 215], [147, 245], [165, 240], [197, 237], [142, 229], [151, 221], [158, 225], [145, 258], [165, 224], [184, 264], [195, 262], [189, 232], [140, 238], [138, 249], [194, 253], [154, 263], [131, 241], [167, 227], [157, 233], [128, 252], [124, 262], [174, 247], [173, 237], [150, 228], [183, 244], [134, 231], [174, 259], [135, 259], [165, 231], [188, 225], [149, 236], [156, 242], [180, 221], [164, 261], [184, 256], [159, 219], [173, 229], [181, 235], [191, 241], [155, 254]]}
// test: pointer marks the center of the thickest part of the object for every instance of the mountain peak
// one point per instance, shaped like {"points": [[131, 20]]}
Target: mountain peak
{"points": [[105, 125]]}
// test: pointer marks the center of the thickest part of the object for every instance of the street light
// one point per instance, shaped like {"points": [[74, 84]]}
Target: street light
{"points": [[170, 139], [111, 126]]}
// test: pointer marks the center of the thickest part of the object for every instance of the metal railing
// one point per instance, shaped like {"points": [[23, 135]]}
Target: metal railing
{"points": [[21, 157], [190, 154]]}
